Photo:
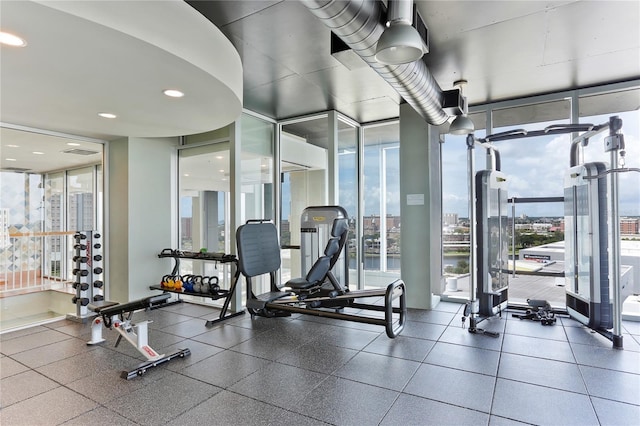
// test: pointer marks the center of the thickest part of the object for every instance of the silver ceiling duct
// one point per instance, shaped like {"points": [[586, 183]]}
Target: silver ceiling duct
{"points": [[359, 24]]}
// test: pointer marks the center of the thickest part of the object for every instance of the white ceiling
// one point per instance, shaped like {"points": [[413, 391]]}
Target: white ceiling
{"points": [[87, 57], [84, 57]]}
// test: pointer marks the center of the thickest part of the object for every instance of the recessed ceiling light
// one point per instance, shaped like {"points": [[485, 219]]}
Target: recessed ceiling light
{"points": [[11, 146], [173, 93], [73, 144], [221, 171], [10, 159], [107, 115], [38, 152], [219, 157], [186, 175], [11, 40]]}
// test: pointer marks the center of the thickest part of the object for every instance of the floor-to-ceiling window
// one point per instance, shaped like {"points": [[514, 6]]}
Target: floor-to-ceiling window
{"points": [[21, 252], [81, 206], [257, 175], [381, 223], [539, 176], [303, 178], [40, 212], [203, 188], [348, 193], [55, 212], [535, 169], [456, 237]]}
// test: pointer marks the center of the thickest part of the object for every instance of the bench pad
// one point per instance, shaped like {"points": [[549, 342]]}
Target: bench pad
{"points": [[134, 305]]}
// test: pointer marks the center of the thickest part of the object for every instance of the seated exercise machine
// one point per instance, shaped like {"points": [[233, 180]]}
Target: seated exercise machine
{"points": [[318, 293], [112, 316]]}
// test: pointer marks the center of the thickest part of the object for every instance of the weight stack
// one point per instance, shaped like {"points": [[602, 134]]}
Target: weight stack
{"points": [[87, 272]]}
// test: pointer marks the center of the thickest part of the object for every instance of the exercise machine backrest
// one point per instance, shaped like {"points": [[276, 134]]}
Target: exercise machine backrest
{"points": [[323, 265], [258, 248]]}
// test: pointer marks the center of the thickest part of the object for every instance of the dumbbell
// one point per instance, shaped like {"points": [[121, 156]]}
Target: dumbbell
{"points": [[98, 298], [80, 247], [97, 246], [84, 301], [81, 272], [96, 236], [98, 284], [79, 237], [81, 259], [97, 270], [83, 286], [97, 257]]}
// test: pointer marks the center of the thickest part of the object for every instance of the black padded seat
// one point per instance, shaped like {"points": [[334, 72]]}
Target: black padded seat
{"points": [[122, 308]]}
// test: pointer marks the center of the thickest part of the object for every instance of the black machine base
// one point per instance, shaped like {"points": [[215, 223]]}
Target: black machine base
{"points": [[538, 310]]}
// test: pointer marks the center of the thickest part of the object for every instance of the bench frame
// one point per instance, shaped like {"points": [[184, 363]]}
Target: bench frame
{"points": [[112, 316]]}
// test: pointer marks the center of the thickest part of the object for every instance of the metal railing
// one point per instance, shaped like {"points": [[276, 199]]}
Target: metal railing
{"points": [[22, 258]]}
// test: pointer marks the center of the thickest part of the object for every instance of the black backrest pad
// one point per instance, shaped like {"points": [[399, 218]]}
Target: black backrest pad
{"points": [[258, 249], [333, 246], [339, 230], [339, 227]]}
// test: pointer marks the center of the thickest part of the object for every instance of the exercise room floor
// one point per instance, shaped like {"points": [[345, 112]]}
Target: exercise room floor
{"points": [[304, 370]]}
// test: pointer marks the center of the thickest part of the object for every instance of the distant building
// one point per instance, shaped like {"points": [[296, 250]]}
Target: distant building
{"points": [[186, 227], [629, 225], [372, 223], [450, 219]]}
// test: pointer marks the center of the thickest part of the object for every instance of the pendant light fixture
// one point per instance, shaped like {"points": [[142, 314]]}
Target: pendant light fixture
{"points": [[400, 43], [462, 124]]}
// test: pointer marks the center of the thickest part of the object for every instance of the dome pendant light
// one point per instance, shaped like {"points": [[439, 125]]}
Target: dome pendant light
{"points": [[400, 43], [461, 125]]}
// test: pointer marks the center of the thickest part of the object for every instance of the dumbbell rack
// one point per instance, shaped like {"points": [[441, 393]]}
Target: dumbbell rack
{"points": [[176, 255], [88, 268]]}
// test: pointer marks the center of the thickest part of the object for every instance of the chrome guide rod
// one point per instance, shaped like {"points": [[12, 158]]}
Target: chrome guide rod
{"points": [[473, 273], [513, 235], [613, 143]]}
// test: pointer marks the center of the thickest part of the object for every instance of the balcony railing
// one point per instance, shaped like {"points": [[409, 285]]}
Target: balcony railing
{"points": [[22, 257]]}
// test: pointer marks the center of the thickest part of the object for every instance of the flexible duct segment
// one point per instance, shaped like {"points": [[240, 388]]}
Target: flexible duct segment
{"points": [[359, 25]]}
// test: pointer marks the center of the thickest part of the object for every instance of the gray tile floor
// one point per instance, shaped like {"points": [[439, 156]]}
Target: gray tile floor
{"points": [[305, 370]]}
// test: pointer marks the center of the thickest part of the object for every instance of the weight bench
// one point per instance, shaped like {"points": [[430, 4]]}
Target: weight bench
{"points": [[112, 316]]}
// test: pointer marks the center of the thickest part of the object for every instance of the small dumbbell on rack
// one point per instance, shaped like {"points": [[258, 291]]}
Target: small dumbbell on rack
{"points": [[98, 283]]}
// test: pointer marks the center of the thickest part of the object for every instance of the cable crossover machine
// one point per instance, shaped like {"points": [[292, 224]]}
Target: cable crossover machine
{"points": [[592, 231]]}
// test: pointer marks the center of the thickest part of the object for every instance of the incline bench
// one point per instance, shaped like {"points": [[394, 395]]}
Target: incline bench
{"points": [[112, 316]]}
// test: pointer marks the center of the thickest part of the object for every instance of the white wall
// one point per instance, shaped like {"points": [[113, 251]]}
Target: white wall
{"points": [[419, 208], [141, 210]]}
